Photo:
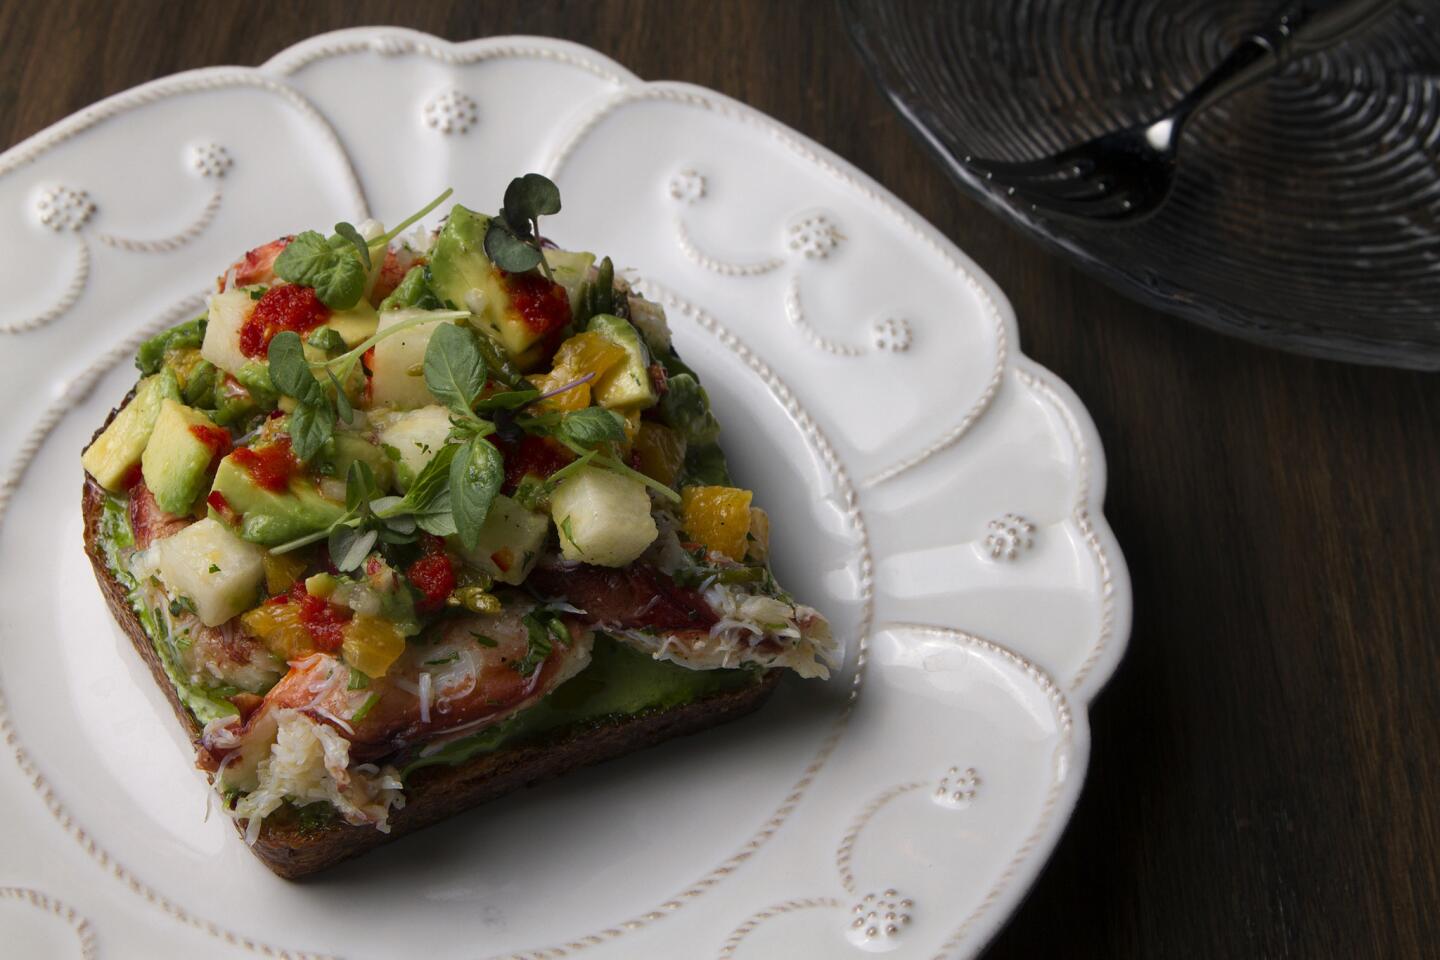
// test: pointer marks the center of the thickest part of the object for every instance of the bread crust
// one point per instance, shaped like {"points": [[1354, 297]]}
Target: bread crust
{"points": [[433, 793]]}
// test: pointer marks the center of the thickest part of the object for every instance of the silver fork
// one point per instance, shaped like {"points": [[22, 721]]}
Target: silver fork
{"points": [[1126, 175]]}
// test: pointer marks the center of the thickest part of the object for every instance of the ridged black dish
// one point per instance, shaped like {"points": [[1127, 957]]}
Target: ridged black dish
{"points": [[1306, 214]]}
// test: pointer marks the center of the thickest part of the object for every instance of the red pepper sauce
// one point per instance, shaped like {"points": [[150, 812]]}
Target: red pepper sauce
{"points": [[220, 505], [538, 455], [216, 438], [325, 621], [288, 306], [433, 575], [269, 466], [544, 306]]}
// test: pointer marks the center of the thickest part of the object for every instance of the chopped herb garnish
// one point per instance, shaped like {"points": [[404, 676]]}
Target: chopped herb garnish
{"points": [[484, 641], [358, 680], [441, 661], [214, 568], [181, 605]]}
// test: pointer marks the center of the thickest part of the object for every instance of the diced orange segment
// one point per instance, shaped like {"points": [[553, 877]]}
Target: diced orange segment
{"points": [[661, 452], [718, 517], [278, 626], [281, 571], [371, 644], [576, 398], [588, 353]]}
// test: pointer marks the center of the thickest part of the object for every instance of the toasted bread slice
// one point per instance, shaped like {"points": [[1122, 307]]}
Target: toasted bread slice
{"points": [[434, 793]]}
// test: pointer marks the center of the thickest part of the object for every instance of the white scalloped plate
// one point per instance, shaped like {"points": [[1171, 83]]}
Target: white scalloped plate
{"points": [[933, 490]]}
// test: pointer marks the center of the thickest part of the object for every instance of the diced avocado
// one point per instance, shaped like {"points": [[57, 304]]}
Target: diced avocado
{"points": [[570, 270], [178, 456], [603, 517], [398, 367], [416, 436], [152, 353], [461, 273], [413, 291], [510, 541], [228, 313], [272, 517], [348, 447], [355, 325], [219, 572], [117, 451], [627, 385]]}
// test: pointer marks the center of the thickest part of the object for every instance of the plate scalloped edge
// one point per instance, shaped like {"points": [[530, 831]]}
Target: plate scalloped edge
{"points": [[1085, 516]]}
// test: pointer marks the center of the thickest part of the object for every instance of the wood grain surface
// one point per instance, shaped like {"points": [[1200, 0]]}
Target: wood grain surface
{"points": [[1266, 771]]}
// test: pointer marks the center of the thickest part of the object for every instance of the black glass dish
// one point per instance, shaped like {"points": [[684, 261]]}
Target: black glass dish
{"points": [[1306, 214]]}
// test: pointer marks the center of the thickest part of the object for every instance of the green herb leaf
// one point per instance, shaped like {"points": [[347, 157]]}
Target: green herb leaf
{"points": [[439, 661], [592, 426], [484, 641], [352, 236], [507, 250], [454, 368], [570, 534], [290, 371], [358, 680], [311, 427], [179, 605], [338, 276], [360, 485], [342, 402], [349, 546], [214, 568], [475, 478], [538, 645], [529, 197], [507, 400]]}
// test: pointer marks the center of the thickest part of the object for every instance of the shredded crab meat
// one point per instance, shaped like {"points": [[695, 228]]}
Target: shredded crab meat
{"points": [[310, 762]]}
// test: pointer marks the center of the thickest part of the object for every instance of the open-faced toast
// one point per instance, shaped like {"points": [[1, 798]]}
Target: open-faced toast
{"points": [[402, 526]]}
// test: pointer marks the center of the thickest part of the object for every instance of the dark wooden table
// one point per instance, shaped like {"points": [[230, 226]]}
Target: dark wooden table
{"points": [[1266, 771]]}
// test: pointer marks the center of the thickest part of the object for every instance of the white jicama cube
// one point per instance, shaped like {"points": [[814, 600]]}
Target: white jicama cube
{"points": [[219, 572], [399, 366], [417, 436], [228, 313], [603, 517]]}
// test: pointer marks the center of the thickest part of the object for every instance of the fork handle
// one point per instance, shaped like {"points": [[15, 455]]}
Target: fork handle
{"points": [[1296, 30]]}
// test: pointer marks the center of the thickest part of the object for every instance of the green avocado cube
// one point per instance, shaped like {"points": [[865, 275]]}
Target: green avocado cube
{"points": [[462, 274], [177, 459], [117, 451], [626, 386], [271, 517]]}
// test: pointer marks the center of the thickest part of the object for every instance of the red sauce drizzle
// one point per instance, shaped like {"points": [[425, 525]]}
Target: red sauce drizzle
{"points": [[217, 501], [216, 438], [325, 621], [544, 306], [538, 455], [288, 306], [269, 466], [433, 575]]}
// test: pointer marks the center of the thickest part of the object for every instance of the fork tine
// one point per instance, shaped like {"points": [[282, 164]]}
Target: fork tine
{"points": [[1117, 206]]}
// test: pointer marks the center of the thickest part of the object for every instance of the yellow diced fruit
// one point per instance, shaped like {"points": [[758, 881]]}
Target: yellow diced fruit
{"points": [[718, 517], [661, 452], [758, 543], [281, 571], [576, 398], [278, 626], [371, 644], [587, 353]]}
